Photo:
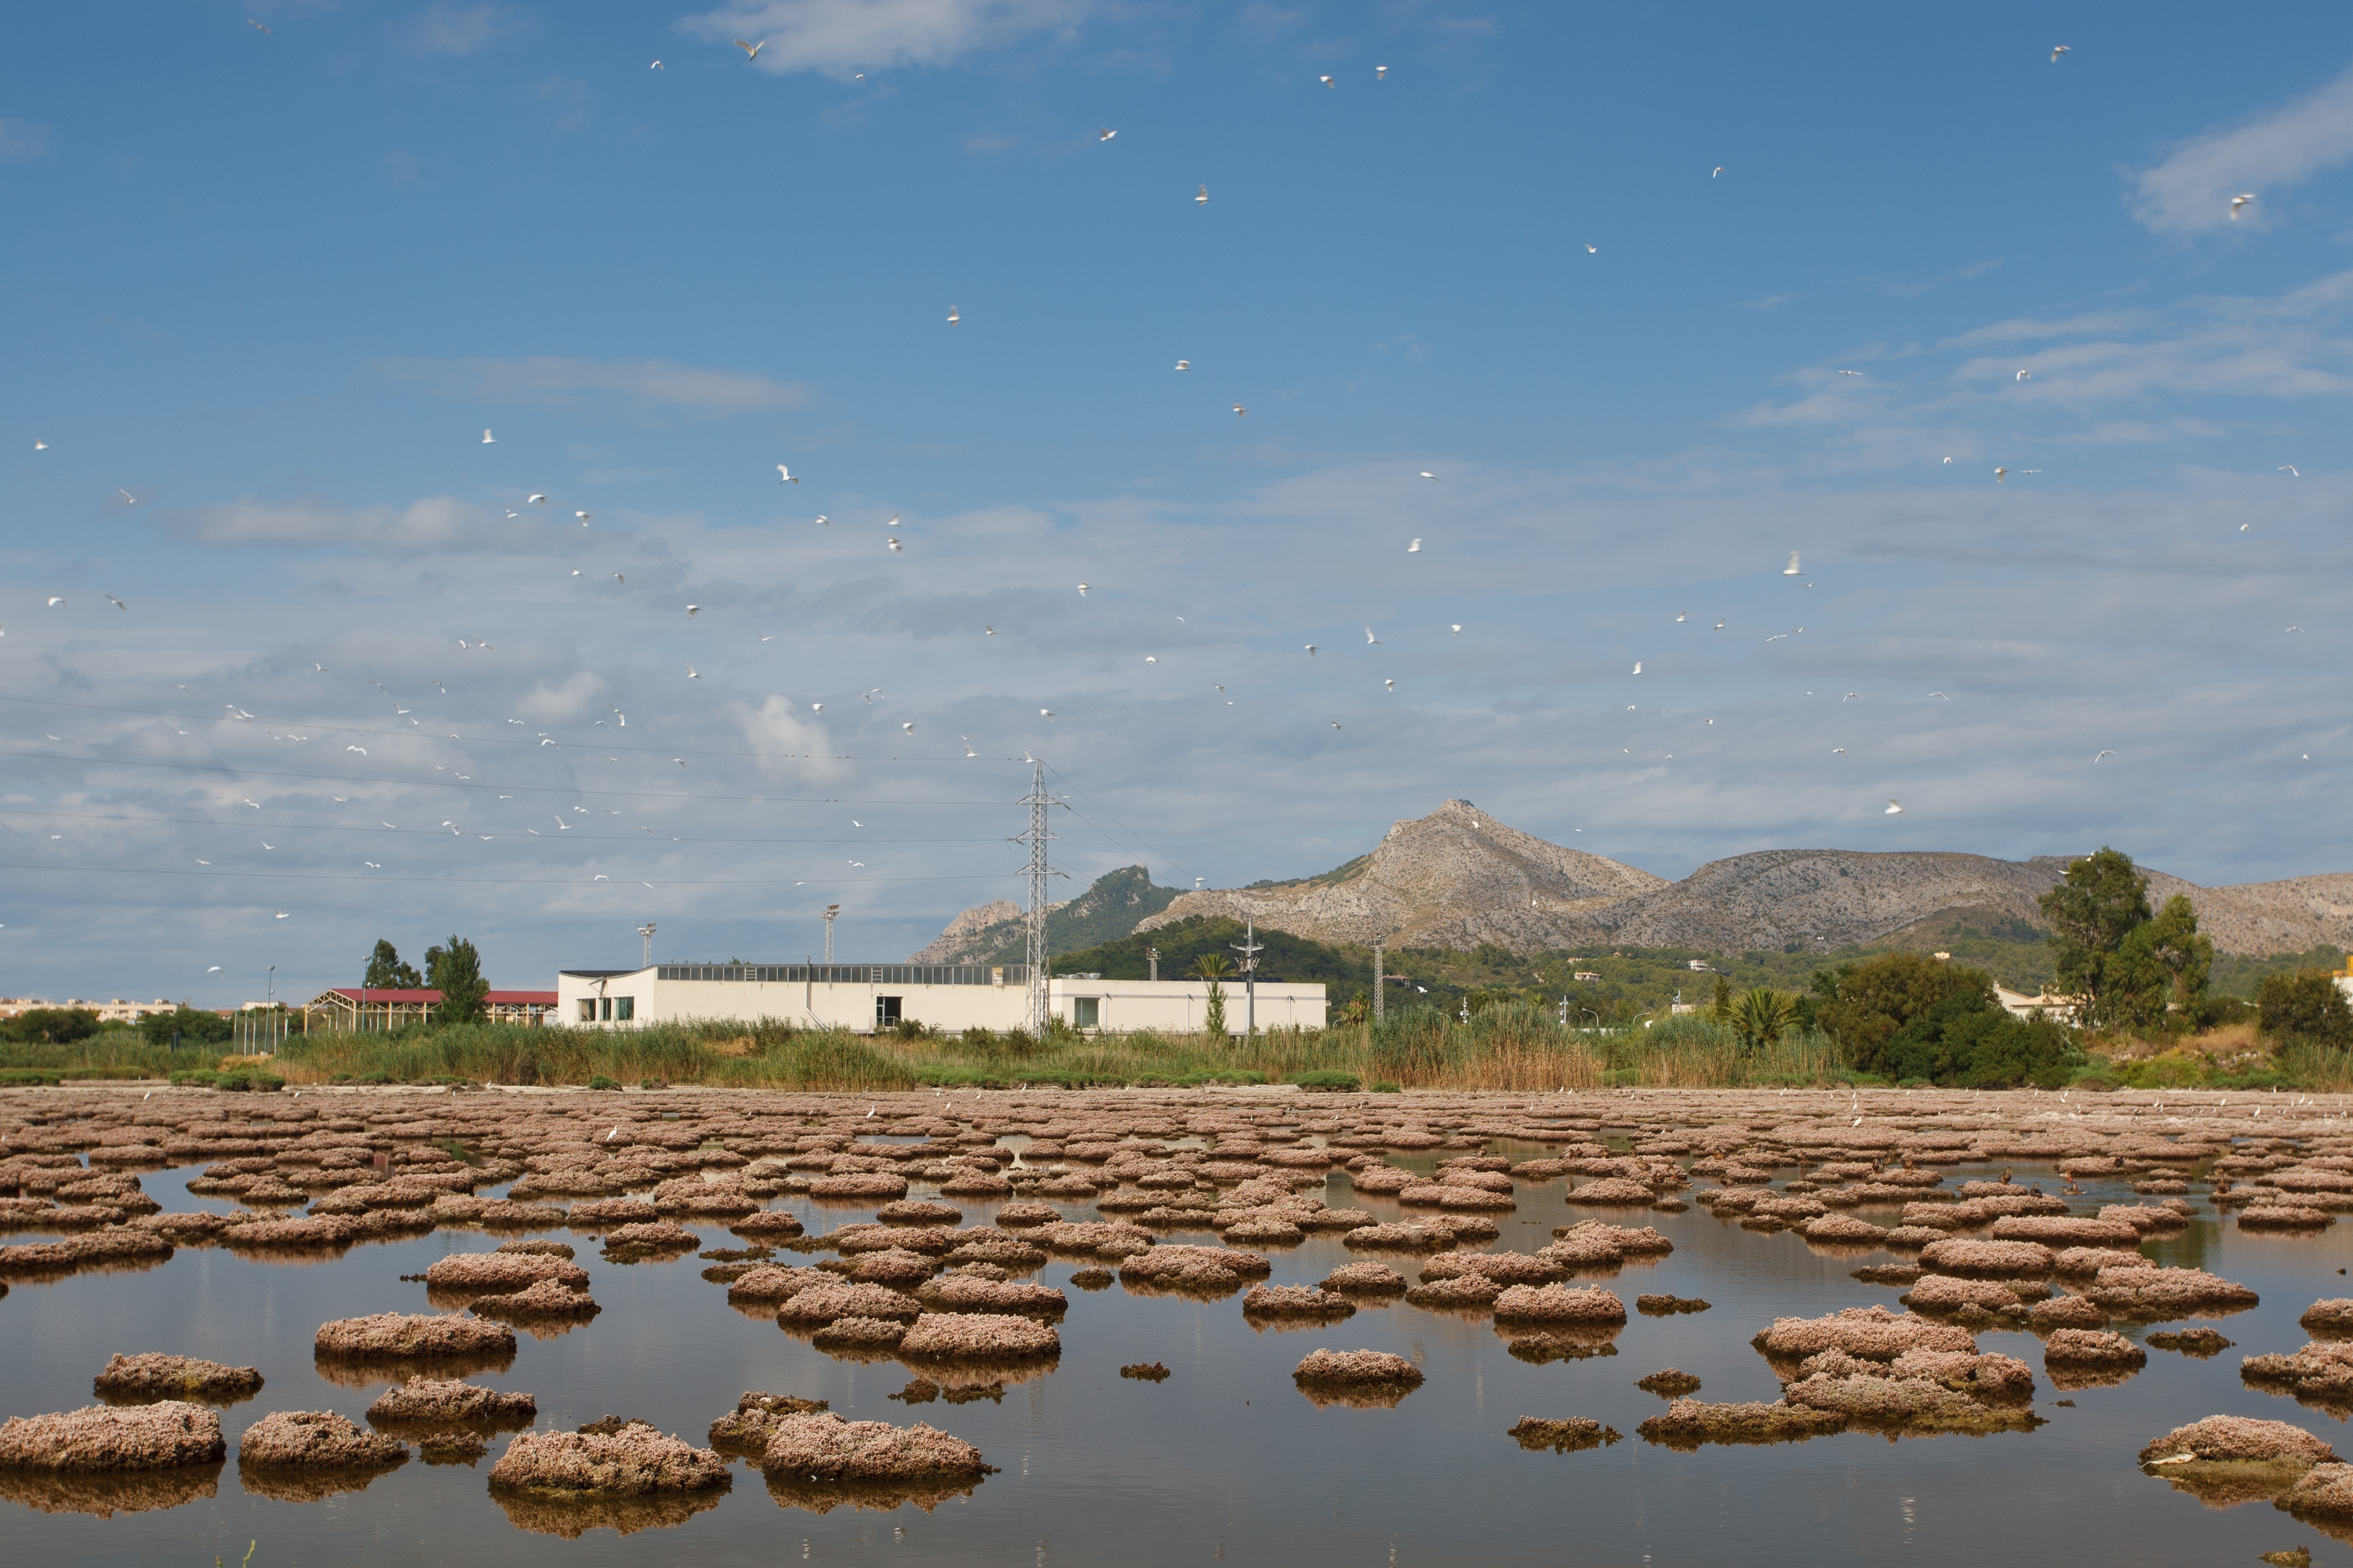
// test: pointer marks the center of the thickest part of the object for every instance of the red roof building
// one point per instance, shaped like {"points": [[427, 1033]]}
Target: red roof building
{"points": [[354, 1008]]}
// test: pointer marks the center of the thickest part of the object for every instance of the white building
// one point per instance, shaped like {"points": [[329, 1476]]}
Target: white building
{"points": [[867, 998]]}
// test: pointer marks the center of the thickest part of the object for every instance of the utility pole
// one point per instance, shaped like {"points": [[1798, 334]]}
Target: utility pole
{"points": [[1153, 954], [830, 911], [647, 930], [1379, 990], [1037, 838], [1250, 947]]}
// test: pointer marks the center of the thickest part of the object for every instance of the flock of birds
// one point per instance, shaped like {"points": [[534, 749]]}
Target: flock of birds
{"points": [[895, 542]]}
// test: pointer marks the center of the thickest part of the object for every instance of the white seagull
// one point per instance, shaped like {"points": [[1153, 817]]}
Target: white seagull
{"points": [[1082, 590], [1370, 641], [115, 602], [1311, 650], [1894, 809], [2238, 202], [1201, 197], [692, 610], [1414, 549], [953, 317], [751, 51], [1791, 568], [2058, 49], [1184, 365], [2287, 468], [693, 673], [784, 476], [489, 440], [1106, 134]]}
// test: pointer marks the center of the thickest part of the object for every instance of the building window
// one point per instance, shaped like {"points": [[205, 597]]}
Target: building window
{"points": [[588, 1009], [609, 1009], [1086, 1012], [886, 1011], [625, 1009]]}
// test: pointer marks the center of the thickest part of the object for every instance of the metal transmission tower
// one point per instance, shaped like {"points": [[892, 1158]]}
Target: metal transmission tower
{"points": [[1377, 986], [647, 930], [1037, 838], [1249, 947], [830, 911]]}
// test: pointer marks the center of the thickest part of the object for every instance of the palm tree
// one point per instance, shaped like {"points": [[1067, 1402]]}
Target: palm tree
{"points": [[1762, 1015], [1214, 967]]}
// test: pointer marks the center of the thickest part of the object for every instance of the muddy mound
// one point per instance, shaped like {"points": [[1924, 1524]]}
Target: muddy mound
{"points": [[1688, 1424], [548, 1301], [502, 1273], [146, 1378], [436, 1402], [2229, 1460], [1364, 1279], [1307, 1301], [821, 1303], [972, 1293], [315, 1439], [1374, 1377], [950, 1336], [822, 1446], [96, 1438], [1558, 1304], [634, 1462], [412, 1336], [744, 1431], [1568, 1436], [1867, 1333], [2155, 1295]]}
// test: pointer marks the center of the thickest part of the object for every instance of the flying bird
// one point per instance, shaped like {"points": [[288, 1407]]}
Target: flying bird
{"points": [[1370, 641], [1150, 658], [1458, 628], [1791, 568], [655, 67], [128, 499], [1714, 171], [823, 520], [1335, 723], [115, 602], [619, 578], [1045, 712], [1939, 694], [1327, 82], [1681, 615], [1592, 250], [1082, 590], [751, 51], [39, 445], [954, 316], [1380, 73], [784, 476], [2023, 375], [692, 610], [1894, 809], [693, 673], [1390, 684], [1838, 750], [1240, 410], [990, 630], [895, 549], [2238, 202], [1184, 365], [538, 497], [361, 750], [1414, 549], [282, 914], [1638, 666], [1311, 650], [583, 517], [816, 707], [489, 440], [1107, 134], [1201, 197], [256, 26], [2288, 468], [2058, 49], [2110, 752], [1999, 475]]}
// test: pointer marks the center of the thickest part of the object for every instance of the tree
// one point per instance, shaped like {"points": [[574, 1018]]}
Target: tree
{"points": [[2095, 908], [456, 971], [1865, 1006], [1723, 999], [386, 972], [1214, 967], [1762, 1016], [2304, 1006], [50, 1025], [187, 1026]]}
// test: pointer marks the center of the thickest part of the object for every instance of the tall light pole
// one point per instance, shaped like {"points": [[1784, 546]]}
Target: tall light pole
{"points": [[1152, 955], [1379, 990], [830, 911], [647, 930], [1250, 947]]}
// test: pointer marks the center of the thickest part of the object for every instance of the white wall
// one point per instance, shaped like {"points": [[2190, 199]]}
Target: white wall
{"points": [[1122, 1007]]}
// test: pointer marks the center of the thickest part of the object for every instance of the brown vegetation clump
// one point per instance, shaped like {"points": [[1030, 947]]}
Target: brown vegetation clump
{"points": [[1503, 1267], [1364, 1279], [502, 1273], [1214, 1268], [636, 1461], [1558, 1304], [146, 1378], [606, 1214], [894, 1267], [859, 1334], [2323, 1492], [546, 1302], [2220, 1440], [156, 1437], [1472, 1292], [1688, 1424], [1911, 1403], [1146, 1371], [1015, 1215], [315, 1439], [2091, 1348], [2284, 1216], [2153, 1295], [2329, 1319], [1612, 1192], [654, 1241], [1869, 1333], [1669, 1383], [1669, 1306], [823, 1446], [1295, 1302], [950, 1336], [2320, 1374], [744, 1431], [116, 1244], [2201, 1343], [539, 1246], [1987, 1260], [2083, 1262], [2065, 1230], [1844, 1229], [390, 1336], [772, 1282], [1568, 1436], [1378, 1373], [1398, 1238], [822, 1303], [976, 1293], [1092, 1278], [443, 1402], [1946, 1293], [2065, 1312]]}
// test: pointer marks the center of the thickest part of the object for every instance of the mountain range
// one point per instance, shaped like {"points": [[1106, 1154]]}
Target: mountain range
{"points": [[1458, 879]]}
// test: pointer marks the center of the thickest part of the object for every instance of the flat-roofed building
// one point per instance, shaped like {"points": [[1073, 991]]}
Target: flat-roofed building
{"points": [[867, 998], [356, 1009]]}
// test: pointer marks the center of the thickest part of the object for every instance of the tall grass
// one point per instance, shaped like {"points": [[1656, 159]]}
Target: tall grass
{"points": [[1508, 1047]]}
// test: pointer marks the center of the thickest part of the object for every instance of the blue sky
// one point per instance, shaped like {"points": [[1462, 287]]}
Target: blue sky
{"points": [[275, 285]]}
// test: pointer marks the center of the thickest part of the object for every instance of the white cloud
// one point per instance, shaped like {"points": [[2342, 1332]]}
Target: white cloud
{"points": [[548, 382], [867, 34], [2191, 189], [790, 743], [578, 695], [450, 29], [21, 140], [435, 522]]}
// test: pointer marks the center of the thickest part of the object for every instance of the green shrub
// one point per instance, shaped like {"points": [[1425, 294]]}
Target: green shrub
{"points": [[601, 1081], [2305, 1007], [1329, 1080], [1386, 1086]]}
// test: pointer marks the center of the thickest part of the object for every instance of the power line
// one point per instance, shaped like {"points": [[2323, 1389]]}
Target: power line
{"points": [[494, 881], [570, 836]]}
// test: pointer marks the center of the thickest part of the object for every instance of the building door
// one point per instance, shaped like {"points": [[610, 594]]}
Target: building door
{"points": [[886, 1013]]}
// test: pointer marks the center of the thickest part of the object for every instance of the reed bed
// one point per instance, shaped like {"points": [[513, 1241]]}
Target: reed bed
{"points": [[1510, 1047]]}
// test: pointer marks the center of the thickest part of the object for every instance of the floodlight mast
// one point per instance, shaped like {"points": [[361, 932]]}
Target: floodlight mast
{"points": [[830, 911], [1249, 947], [647, 930], [1037, 838]]}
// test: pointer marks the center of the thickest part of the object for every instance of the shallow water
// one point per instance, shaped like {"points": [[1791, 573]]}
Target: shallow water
{"points": [[1224, 1461]]}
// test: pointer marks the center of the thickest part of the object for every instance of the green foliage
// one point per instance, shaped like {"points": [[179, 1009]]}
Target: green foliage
{"points": [[386, 972], [1388, 1086], [2242, 978], [196, 1027], [599, 1080], [1760, 1015], [456, 971], [236, 1080], [1905, 1017], [50, 1025], [1213, 965], [2126, 962], [2305, 1007], [1329, 1078]]}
